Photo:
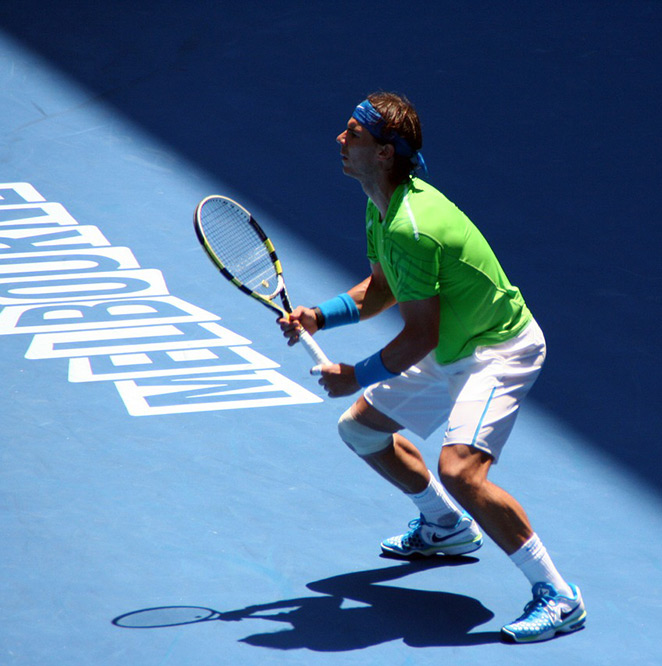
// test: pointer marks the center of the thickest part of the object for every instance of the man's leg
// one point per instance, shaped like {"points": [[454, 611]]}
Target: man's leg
{"points": [[443, 527], [401, 463], [463, 471], [558, 606]]}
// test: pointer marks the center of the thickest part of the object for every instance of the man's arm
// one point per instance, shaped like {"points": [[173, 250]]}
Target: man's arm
{"points": [[418, 337], [371, 296]]}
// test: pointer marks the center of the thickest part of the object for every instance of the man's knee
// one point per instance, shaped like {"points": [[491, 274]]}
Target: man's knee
{"points": [[463, 469], [364, 441]]}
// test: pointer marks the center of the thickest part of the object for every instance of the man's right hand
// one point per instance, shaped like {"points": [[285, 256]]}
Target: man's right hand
{"points": [[301, 317]]}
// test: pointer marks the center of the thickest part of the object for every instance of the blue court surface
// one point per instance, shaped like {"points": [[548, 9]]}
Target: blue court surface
{"points": [[173, 488]]}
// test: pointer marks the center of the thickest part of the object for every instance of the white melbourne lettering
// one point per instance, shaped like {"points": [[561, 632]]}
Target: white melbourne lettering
{"points": [[82, 299]]}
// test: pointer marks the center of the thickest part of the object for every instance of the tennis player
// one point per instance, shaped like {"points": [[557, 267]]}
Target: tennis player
{"points": [[467, 355]]}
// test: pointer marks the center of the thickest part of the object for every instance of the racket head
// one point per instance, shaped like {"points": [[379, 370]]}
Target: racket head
{"points": [[241, 250], [165, 616]]}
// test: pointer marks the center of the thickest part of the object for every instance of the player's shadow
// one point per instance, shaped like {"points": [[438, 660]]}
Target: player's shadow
{"points": [[356, 611]]}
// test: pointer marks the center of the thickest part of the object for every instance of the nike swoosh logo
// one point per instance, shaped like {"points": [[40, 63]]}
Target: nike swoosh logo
{"points": [[436, 539], [566, 614]]}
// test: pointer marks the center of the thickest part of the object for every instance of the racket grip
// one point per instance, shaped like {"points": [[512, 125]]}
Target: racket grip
{"points": [[313, 349]]}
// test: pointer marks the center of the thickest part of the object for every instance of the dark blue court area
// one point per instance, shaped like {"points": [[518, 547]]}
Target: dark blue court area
{"points": [[173, 489]]}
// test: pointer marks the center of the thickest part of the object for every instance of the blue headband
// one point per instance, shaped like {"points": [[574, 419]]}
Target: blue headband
{"points": [[368, 116]]}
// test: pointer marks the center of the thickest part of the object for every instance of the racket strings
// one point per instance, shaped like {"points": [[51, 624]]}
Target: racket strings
{"points": [[239, 247]]}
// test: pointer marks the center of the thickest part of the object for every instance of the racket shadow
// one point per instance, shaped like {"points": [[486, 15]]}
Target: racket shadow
{"points": [[355, 610]]}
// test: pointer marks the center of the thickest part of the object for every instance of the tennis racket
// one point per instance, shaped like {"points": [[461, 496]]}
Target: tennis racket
{"points": [[244, 254]]}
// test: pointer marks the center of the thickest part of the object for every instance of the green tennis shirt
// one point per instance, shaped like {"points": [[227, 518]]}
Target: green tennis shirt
{"points": [[427, 247]]}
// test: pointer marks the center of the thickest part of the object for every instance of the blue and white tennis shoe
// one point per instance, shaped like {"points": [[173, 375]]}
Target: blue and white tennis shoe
{"points": [[546, 616], [427, 539]]}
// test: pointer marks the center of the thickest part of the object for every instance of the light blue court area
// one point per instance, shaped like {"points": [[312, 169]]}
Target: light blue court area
{"points": [[172, 487]]}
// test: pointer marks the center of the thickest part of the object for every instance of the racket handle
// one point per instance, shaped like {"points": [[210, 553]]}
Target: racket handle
{"points": [[313, 349]]}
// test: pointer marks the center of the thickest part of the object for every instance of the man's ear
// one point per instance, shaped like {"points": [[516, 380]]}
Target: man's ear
{"points": [[386, 151]]}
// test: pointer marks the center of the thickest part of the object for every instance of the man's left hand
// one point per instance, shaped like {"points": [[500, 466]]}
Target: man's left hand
{"points": [[338, 380]]}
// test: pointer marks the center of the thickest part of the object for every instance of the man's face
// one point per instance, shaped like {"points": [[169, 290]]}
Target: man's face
{"points": [[359, 150]]}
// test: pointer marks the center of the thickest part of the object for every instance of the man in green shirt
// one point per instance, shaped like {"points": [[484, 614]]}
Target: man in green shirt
{"points": [[468, 353], [422, 258]]}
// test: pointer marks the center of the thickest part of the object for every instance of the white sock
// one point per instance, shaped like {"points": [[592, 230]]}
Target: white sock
{"points": [[534, 562], [436, 505]]}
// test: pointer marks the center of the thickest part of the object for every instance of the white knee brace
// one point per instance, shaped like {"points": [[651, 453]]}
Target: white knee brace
{"points": [[361, 439]]}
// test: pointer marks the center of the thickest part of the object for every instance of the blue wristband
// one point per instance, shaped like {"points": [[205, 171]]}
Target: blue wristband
{"points": [[372, 370], [338, 311]]}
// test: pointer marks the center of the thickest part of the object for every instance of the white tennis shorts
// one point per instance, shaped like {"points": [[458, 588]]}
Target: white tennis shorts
{"points": [[477, 397]]}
